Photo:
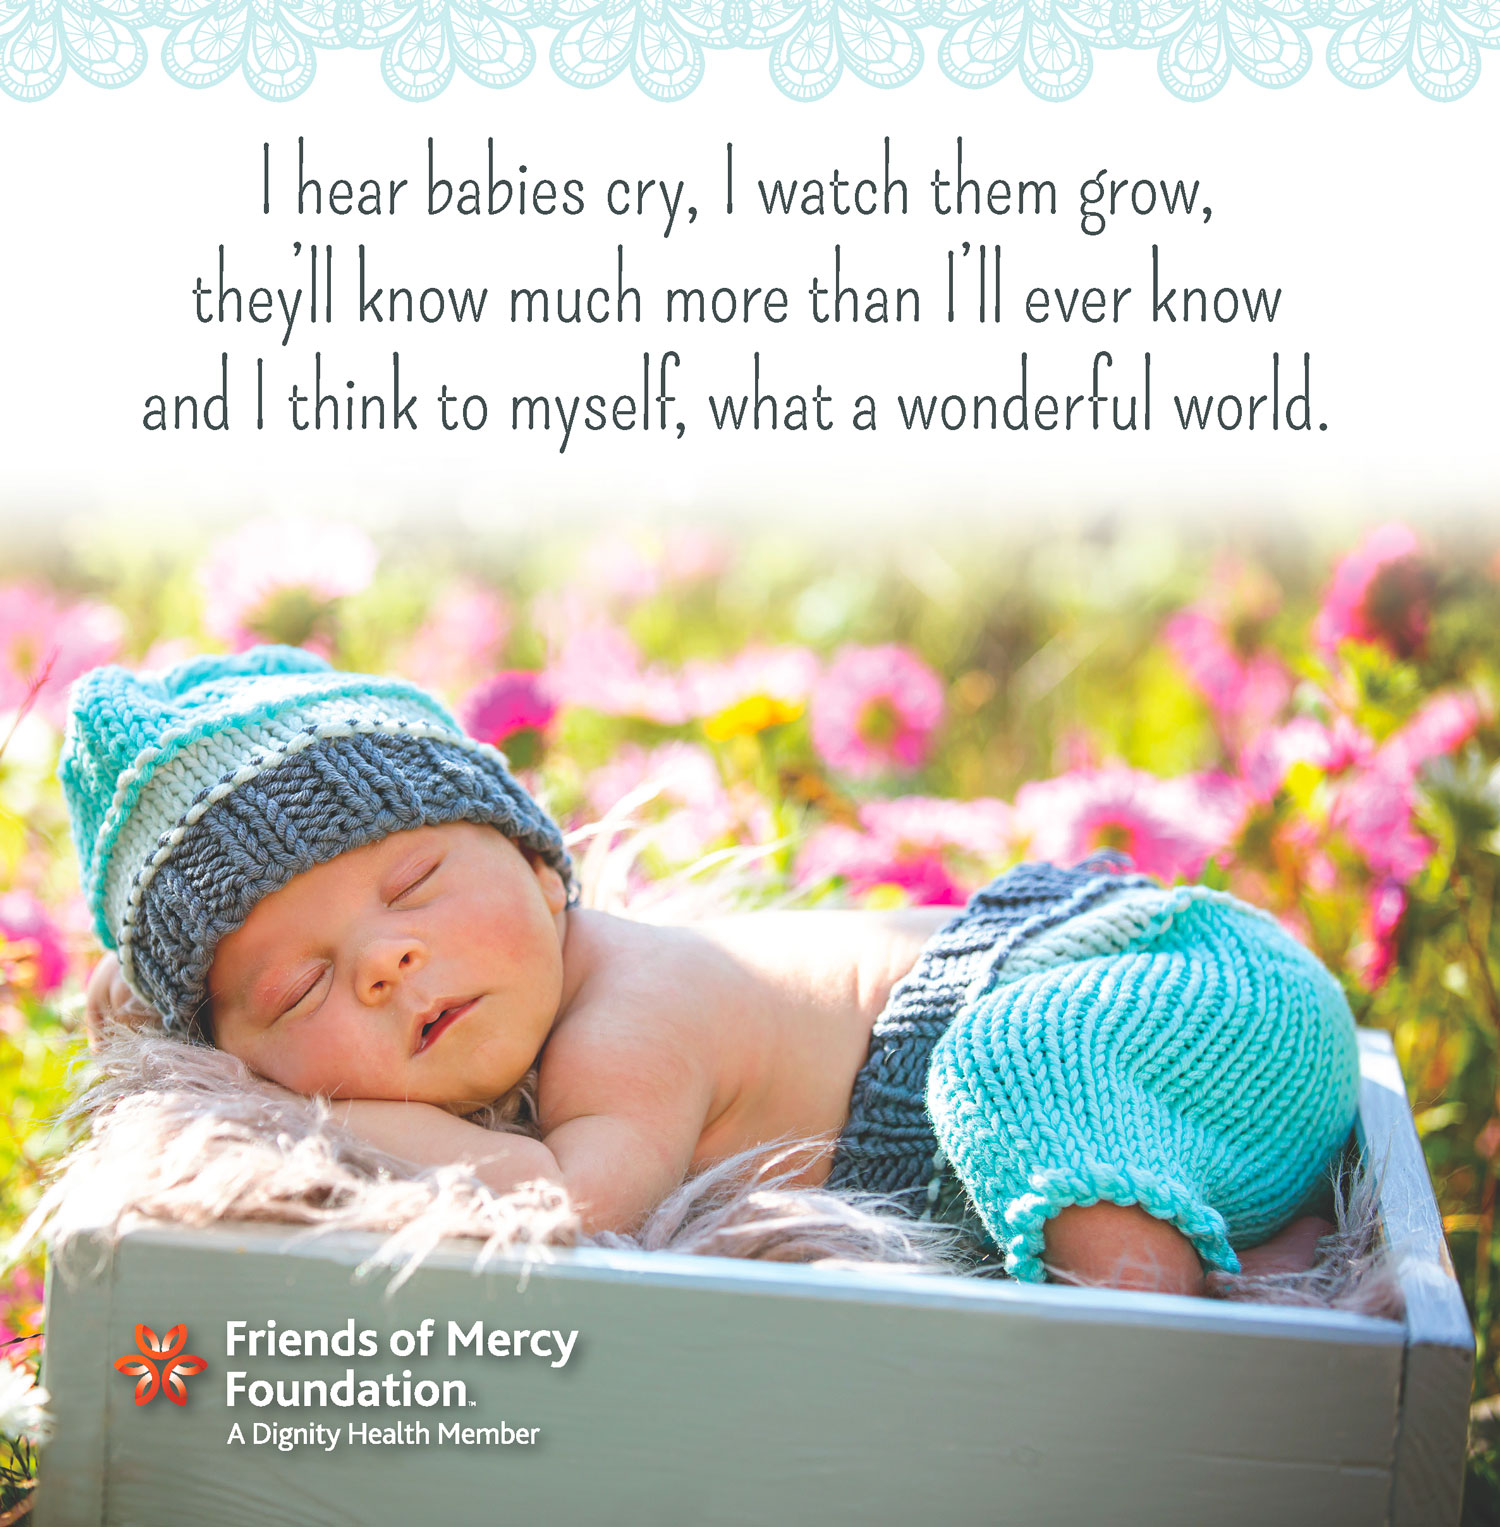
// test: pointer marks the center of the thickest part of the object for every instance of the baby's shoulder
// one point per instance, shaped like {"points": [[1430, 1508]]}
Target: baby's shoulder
{"points": [[623, 1045]]}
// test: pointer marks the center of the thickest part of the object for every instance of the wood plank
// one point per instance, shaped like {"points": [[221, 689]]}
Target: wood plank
{"points": [[729, 1392], [75, 1358], [1439, 1368]]}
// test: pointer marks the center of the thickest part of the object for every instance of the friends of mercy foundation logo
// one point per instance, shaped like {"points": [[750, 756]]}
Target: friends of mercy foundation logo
{"points": [[159, 1365]]}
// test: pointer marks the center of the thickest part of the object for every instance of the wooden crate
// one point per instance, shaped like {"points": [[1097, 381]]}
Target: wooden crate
{"points": [[714, 1391]]}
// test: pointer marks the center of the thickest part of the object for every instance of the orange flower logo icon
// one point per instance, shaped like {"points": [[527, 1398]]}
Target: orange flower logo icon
{"points": [[160, 1365]]}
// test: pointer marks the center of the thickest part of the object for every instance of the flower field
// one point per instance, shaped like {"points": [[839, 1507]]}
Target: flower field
{"points": [[1309, 723]]}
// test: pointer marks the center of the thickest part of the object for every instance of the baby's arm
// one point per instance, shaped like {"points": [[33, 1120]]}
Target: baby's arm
{"points": [[616, 1159]]}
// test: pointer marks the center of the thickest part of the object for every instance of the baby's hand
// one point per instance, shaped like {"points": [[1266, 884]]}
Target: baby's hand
{"points": [[109, 999]]}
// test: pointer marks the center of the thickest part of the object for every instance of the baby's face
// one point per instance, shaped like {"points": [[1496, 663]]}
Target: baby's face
{"points": [[427, 967]]}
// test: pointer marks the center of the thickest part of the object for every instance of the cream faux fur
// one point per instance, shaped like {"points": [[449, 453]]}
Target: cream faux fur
{"points": [[188, 1134], [185, 1133]]}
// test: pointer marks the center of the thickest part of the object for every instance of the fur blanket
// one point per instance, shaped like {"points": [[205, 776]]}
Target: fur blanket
{"points": [[188, 1134]]}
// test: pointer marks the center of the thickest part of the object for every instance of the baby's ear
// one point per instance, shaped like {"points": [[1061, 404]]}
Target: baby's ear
{"points": [[554, 892]]}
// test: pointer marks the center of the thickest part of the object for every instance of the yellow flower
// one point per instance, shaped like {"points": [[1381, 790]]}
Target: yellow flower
{"points": [[752, 714]]}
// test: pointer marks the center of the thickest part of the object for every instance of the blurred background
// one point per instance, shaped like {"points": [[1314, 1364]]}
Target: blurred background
{"points": [[1307, 719]]}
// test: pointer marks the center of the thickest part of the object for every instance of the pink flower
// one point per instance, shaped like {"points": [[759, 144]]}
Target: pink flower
{"points": [[865, 862], [1315, 865], [616, 565], [775, 673], [168, 652], [29, 932], [1245, 691], [908, 843], [1443, 724], [41, 635], [876, 709], [1271, 755], [1075, 749], [277, 579], [632, 568], [981, 828], [1169, 827], [510, 702], [691, 554], [690, 803], [1373, 809], [461, 639], [599, 667], [1374, 802], [1381, 592], [1374, 956]]}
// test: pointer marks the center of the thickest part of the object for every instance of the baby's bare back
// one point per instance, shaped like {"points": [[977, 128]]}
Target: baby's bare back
{"points": [[736, 1031]]}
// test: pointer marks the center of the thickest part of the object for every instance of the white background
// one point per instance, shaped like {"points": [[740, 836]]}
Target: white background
{"points": [[1375, 212]]}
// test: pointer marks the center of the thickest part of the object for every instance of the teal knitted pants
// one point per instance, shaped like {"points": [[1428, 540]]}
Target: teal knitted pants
{"points": [[1175, 1049]]}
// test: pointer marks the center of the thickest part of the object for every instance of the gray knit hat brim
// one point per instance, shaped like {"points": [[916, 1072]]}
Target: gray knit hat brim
{"points": [[337, 794]]}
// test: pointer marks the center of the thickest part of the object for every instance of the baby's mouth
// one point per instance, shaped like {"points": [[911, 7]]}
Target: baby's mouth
{"points": [[436, 1027]]}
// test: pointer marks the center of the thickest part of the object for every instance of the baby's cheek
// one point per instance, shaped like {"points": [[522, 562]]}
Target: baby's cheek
{"points": [[325, 1058]]}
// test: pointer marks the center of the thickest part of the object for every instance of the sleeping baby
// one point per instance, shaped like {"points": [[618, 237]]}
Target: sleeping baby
{"points": [[319, 873]]}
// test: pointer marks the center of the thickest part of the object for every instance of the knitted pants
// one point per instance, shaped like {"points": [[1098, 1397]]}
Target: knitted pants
{"points": [[1079, 1035]]}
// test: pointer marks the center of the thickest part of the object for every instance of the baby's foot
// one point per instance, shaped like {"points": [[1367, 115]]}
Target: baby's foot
{"points": [[1121, 1247], [1295, 1249]]}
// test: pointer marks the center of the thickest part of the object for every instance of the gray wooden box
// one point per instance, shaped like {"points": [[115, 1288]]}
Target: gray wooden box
{"points": [[708, 1390]]}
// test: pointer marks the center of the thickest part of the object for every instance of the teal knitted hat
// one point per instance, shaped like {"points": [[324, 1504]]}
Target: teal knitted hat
{"points": [[195, 792], [1175, 1049]]}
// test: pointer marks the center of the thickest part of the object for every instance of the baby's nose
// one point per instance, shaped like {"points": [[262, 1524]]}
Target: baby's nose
{"points": [[387, 963]]}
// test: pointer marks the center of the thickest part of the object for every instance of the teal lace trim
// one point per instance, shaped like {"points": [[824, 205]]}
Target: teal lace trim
{"points": [[661, 44]]}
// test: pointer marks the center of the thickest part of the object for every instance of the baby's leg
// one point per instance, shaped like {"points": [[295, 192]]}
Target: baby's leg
{"points": [[1119, 1247], [1104, 1244]]}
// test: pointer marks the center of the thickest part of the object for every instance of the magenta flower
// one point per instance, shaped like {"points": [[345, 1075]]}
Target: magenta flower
{"points": [[876, 709], [1245, 691], [1374, 956], [29, 933], [909, 843], [279, 579], [1170, 828], [45, 643], [21, 1296], [1381, 593], [461, 639], [510, 702]]}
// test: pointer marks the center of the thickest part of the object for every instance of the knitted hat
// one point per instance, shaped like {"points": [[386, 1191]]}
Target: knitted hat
{"points": [[1175, 1049], [195, 792]]}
